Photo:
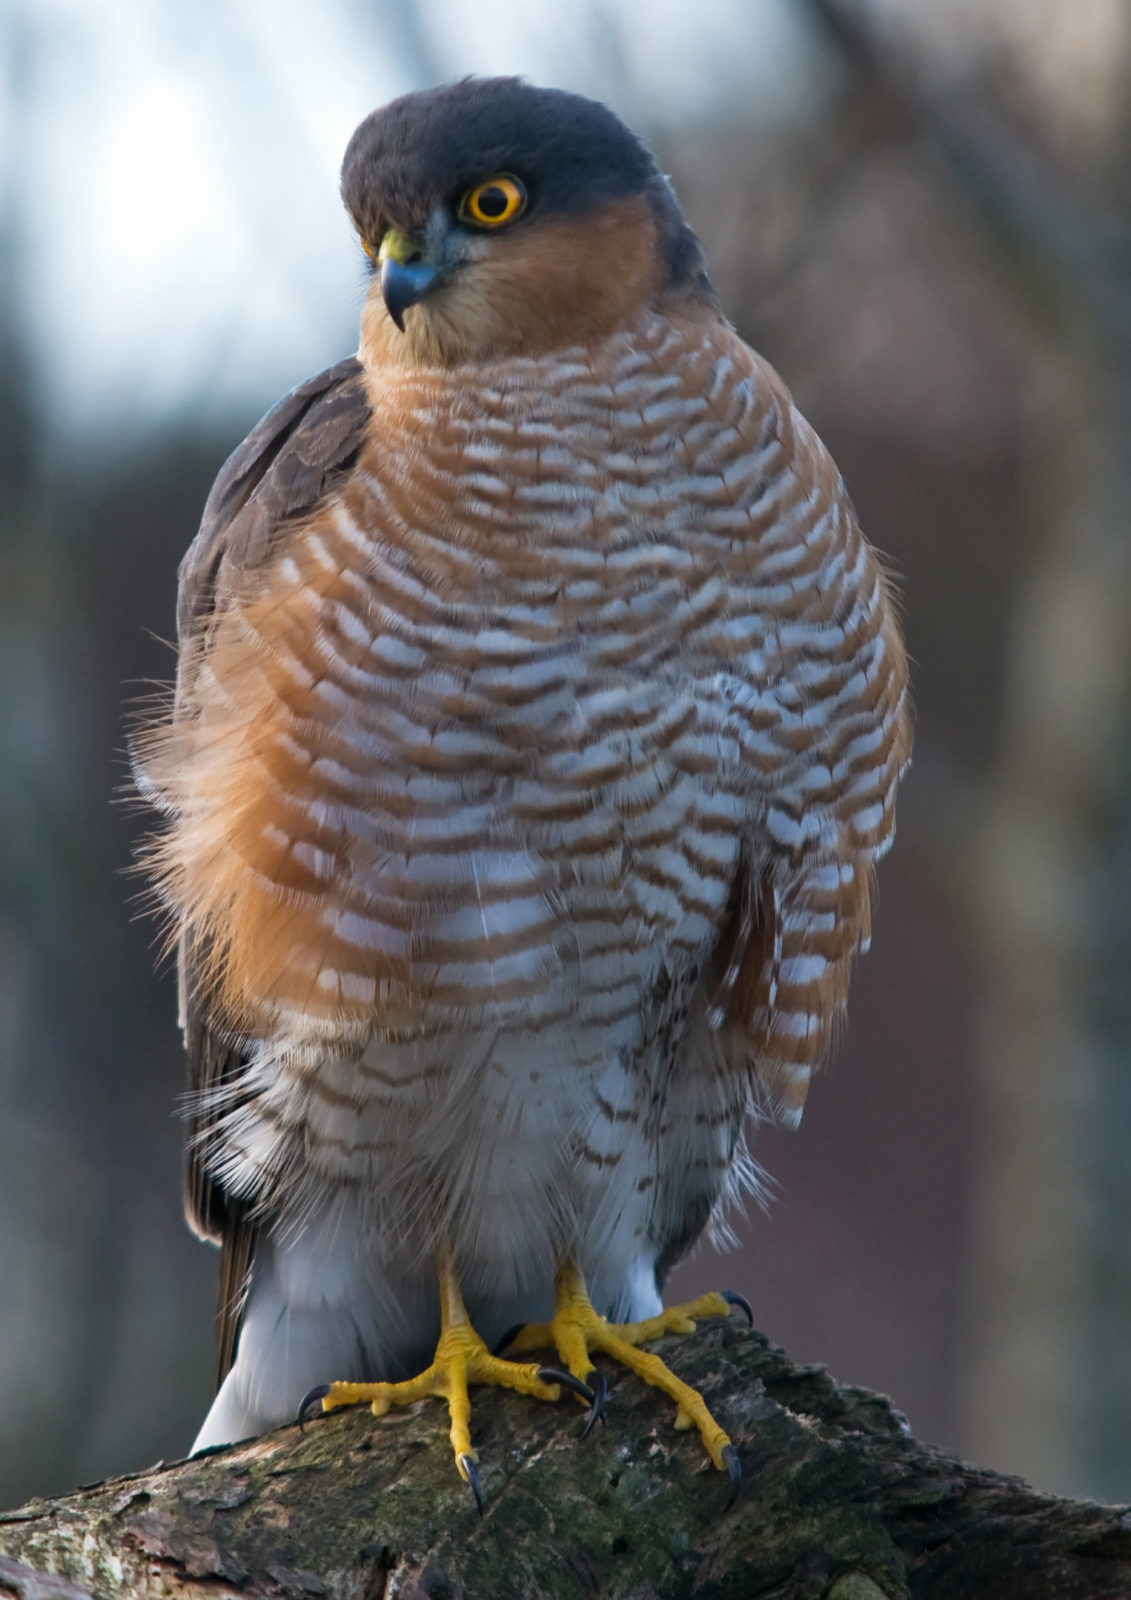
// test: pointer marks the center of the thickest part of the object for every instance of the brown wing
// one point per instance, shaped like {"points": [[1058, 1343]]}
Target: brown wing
{"points": [[291, 461], [803, 909]]}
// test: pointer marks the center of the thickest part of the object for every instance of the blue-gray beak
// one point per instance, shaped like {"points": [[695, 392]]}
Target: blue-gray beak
{"points": [[405, 276]]}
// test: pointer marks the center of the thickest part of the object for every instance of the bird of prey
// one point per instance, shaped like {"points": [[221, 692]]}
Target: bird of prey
{"points": [[539, 713]]}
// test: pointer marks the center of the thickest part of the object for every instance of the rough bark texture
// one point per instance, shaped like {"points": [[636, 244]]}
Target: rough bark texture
{"points": [[840, 1502]]}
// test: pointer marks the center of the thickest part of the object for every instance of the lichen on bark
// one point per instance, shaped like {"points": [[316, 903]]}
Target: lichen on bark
{"points": [[839, 1502]]}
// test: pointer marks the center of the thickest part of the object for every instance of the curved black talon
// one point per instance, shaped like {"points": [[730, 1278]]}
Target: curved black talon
{"points": [[568, 1381], [471, 1473], [508, 1339], [318, 1393], [739, 1300], [734, 1473], [596, 1412]]}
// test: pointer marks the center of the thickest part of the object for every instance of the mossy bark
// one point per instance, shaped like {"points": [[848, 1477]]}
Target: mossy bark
{"points": [[839, 1502]]}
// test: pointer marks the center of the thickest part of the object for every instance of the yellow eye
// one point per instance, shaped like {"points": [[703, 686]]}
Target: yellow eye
{"points": [[490, 204], [370, 249]]}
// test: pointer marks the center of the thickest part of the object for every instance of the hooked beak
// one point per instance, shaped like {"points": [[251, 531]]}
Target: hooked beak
{"points": [[406, 276]]}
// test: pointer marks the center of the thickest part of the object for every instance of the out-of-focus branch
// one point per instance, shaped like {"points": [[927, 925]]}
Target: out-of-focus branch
{"points": [[1015, 193], [1051, 1278]]}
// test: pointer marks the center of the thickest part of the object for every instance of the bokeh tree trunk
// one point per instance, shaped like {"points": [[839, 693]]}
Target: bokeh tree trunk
{"points": [[1047, 869]]}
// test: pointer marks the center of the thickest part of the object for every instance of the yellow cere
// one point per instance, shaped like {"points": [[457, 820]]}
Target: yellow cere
{"points": [[490, 204]]}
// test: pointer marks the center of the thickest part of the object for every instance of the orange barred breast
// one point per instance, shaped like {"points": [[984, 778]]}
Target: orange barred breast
{"points": [[580, 635]]}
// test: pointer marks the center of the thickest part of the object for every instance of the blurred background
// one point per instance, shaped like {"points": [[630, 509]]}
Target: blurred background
{"points": [[920, 211]]}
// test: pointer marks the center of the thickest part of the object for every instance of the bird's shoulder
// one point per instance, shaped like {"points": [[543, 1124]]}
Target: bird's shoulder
{"points": [[295, 457]]}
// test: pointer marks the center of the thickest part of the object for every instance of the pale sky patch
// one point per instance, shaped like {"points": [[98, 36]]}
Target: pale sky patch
{"points": [[183, 241]]}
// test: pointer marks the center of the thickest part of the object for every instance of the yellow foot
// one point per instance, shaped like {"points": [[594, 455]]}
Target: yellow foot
{"points": [[577, 1330], [461, 1359]]}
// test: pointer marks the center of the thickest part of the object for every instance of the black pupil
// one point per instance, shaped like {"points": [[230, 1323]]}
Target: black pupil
{"points": [[492, 201]]}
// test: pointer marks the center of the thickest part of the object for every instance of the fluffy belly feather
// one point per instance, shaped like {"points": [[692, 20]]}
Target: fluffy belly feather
{"points": [[518, 1132], [462, 780]]}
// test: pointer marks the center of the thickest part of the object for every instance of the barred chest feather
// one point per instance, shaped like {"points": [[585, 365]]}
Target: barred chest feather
{"points": [[462, 781]]}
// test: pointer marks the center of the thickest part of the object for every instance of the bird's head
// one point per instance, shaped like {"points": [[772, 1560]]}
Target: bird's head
{"points": [[503, 219]]}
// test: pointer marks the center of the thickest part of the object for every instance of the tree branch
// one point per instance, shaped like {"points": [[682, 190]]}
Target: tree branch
{"points": [[839, 1503], [1016, 195]]}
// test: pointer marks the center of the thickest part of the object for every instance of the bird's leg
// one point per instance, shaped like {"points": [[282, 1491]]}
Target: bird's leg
{"points": [[577, 1330], [461, 1359]]}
